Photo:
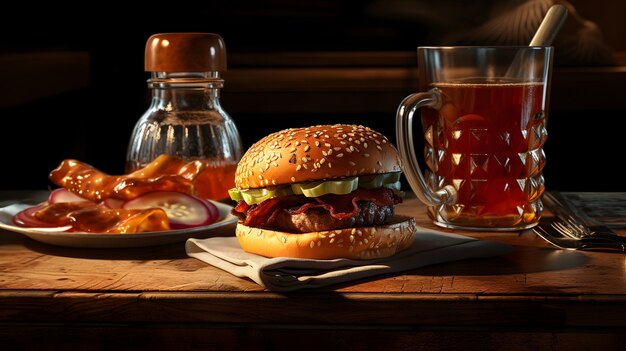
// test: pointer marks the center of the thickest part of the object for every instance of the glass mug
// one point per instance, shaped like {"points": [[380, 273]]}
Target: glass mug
{"points": [[483, 112]]}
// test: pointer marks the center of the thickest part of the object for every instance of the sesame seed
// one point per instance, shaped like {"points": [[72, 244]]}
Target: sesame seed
{"points": [[353, 231], [351, 238], [351, 148], [312, 244], [319, 243], [317, 143], [348, 150], [274, 164], [327, 145], [293, 179], [332, 240], [366, 155], [336, 148], [331, 235], [305, 166], [342, 142], [304, 159], [307, 148], [299, 167], [330, 151], [330, 165], [324, 153], [379, 148], [283, 239], [322, 161], [352, 163], [339, 155]]}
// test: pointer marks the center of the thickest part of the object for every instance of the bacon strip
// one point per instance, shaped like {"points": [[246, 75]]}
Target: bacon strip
{"points": [[165, 173], [86, 217], [339, 206]]}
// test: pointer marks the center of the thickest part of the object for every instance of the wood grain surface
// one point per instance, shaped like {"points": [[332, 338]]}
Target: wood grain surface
{"points": [[537, 291]]}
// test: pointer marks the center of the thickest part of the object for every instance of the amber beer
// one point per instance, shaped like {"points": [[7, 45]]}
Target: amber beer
{"points": [[486, 141], [483, 110]]}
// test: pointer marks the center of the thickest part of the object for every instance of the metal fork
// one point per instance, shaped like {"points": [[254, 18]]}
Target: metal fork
{"points": [[549, 232], [576, 223], [574, 230]]}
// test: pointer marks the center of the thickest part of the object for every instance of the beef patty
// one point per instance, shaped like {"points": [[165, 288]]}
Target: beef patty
{"points": [[317, 219]]}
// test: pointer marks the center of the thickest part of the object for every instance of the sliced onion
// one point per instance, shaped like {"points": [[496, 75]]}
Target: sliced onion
{"points": [[26, 218], [113, 203], [183, 211], [63, 195]]}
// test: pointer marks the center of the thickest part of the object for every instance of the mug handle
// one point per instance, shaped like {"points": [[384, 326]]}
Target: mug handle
{"points": [[404, 137]]}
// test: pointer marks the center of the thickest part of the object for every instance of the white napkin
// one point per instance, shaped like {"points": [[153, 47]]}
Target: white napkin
{"points": [[287, 274]]}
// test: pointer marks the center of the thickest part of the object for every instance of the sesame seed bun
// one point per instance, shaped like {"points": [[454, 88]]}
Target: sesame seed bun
{"points": [[354, 243], [316, 153]]}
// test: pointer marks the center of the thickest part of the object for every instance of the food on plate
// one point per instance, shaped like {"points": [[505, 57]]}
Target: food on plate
{"points": [[183, 211], [157, 197], [165, 173], [321, 192]]}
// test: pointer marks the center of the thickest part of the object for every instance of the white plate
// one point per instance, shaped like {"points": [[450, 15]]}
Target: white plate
{"points": [[90, 240]]}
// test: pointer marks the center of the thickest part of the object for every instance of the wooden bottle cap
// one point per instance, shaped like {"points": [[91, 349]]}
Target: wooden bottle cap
{"points": [[185, 52]]}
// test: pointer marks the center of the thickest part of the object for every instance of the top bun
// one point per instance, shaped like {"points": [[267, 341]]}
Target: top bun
{"points": [[316, 153]]}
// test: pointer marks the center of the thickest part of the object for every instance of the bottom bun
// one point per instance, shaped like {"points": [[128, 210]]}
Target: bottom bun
{"points": [[355, 243]]}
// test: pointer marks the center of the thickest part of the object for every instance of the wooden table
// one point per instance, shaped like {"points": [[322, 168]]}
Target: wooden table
{"points": [[537, 297]]}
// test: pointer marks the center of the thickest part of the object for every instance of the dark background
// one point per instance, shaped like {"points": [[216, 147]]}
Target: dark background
{"points": [[92, 117]]}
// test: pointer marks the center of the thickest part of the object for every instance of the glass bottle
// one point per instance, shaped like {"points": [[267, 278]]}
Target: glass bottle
{"points": [[185, 117]]}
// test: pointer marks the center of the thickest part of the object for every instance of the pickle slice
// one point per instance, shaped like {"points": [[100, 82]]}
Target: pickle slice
{"points": [[376, 181], [316, 189], [235, 194], [254, 196]]}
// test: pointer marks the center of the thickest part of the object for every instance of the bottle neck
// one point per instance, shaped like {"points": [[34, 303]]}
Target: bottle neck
{"points": [[185, 90]]}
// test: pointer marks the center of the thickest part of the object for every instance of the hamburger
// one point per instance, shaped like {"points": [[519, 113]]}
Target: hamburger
{"points": [[321, 192]]}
